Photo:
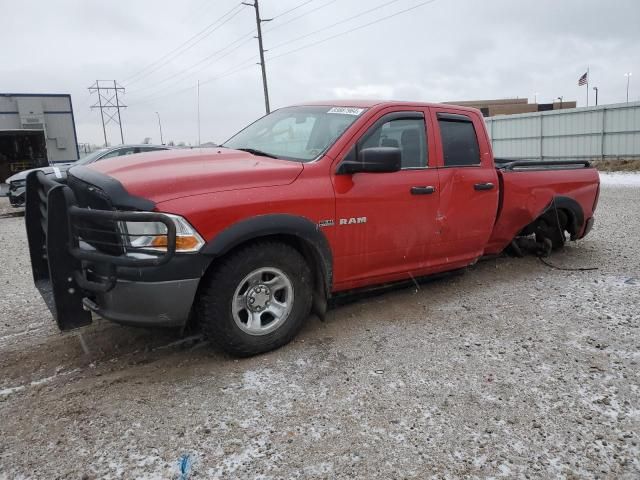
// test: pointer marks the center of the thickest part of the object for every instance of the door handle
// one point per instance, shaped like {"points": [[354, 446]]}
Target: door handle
{"points": [[422, 190], [483, 186]]}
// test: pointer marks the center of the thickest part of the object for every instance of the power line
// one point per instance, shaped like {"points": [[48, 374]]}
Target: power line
{"points": [[291, 9], [188, 47], [201, 12], [245, 65], [278, 25], [352, 30], [179, 49], [353, 17], [239, 42], [246, 37], [197, 9], [206, 59], [236, 69]]}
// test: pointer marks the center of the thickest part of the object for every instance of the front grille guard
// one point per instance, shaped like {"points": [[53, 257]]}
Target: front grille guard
{"points": [[60, 259]]}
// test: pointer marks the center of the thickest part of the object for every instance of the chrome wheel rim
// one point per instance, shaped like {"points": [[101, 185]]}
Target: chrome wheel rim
{"points": [[262, 301]]}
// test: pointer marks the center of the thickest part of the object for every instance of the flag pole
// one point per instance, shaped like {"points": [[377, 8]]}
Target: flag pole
{"points": [[587, 85]]}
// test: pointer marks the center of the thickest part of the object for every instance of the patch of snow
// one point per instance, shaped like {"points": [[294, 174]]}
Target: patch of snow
{"points": [[505, 471], [318, 469], [10, 390], [11, 336], [240, 459], [259, 381], [620, 179], [479, 461]]}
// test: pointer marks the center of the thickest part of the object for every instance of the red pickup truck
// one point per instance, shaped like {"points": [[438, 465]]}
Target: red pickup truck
{"points": [[247, 239]]}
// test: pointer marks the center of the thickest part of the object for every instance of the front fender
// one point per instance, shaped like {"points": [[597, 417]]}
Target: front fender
{"points": [[277, 224]]}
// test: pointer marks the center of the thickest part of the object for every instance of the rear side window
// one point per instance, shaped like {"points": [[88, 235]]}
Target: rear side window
{"points": [[151, 149], [459, 141]]}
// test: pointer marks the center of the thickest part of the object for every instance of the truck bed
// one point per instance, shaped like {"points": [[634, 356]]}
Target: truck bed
{"points": [[529, 188]]}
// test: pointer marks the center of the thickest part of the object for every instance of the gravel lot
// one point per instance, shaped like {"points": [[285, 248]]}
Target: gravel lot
{"points": [[514, 369]]}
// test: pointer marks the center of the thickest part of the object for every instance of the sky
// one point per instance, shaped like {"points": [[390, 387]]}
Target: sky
{"points": [[421, 50]]}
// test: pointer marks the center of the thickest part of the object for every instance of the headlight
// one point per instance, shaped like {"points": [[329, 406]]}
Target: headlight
{"points": [[18, 183], [153, 235]]}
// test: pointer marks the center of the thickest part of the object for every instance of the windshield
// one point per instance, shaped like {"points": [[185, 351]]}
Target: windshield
{"points": [[92, 157], [295, 133]]}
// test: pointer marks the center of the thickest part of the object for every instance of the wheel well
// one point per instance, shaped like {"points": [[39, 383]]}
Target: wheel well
{"points": [[551, 224], [571, 224], [321, 277]]}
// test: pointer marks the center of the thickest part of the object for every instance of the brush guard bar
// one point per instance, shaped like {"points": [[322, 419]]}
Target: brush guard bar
{"points": [[63, 263]]}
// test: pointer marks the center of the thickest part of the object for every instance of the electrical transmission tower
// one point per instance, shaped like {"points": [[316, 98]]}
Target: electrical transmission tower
{"points": [[109, 104], [259, 37]]}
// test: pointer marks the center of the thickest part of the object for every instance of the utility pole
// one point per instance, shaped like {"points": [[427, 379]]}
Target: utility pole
{"points": [[628, 75], [108, 101], [160, 125], [262, 64], [115, 89], [596, 89], [104, 130], [560, 98], [198, 112]]}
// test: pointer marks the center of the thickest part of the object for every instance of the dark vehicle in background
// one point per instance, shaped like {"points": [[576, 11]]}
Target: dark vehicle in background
{"points": [[17, 182]]}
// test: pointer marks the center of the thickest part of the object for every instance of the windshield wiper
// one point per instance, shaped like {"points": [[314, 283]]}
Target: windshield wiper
{"points": [[253, 151]]}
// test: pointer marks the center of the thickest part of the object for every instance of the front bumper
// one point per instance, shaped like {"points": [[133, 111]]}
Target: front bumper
{"points": [[79, 265], [158, 304]]}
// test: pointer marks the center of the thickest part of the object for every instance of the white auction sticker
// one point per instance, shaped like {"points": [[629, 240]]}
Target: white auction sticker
{"points": [[346, 110]]}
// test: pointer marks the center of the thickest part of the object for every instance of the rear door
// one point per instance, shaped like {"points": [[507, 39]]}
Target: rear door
{"points": [[385, 221], [468, 186]]}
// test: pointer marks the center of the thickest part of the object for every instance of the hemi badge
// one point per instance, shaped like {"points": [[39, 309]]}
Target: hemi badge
{"points": [[326, 223]]}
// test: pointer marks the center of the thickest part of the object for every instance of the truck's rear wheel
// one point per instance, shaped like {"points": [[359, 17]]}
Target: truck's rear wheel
{"points": [[256, 299], [552, 226]]}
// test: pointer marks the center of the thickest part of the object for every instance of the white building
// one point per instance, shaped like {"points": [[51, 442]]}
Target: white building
{"points": [[35, 130]]}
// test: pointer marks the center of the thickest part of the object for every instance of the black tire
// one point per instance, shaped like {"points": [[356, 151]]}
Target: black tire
{"points": [[214, 303]]}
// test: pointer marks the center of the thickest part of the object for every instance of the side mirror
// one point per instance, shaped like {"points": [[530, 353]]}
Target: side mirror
{"points": [[373, 160]]}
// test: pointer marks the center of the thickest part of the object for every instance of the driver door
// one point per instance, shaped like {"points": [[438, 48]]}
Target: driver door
{"points": [[384, 221]]}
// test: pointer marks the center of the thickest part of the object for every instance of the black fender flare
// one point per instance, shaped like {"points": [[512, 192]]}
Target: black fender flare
{"points": [[576, 215], [277, 224]]}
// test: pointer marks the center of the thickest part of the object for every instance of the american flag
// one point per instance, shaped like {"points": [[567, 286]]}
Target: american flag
{"points": [[583, 79]]}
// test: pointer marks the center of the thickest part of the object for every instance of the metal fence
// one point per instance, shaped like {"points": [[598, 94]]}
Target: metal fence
{"points": [[603, 132]]}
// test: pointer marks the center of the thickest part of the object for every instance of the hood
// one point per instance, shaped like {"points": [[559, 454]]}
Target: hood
{"points": [[165, 175], [62, 168]]}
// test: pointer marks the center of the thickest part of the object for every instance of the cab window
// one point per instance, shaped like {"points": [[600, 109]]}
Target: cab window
{"points": [[407, 134]]}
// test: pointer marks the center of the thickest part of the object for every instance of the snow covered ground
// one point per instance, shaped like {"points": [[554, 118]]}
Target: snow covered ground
{"points": [[621, 179]]}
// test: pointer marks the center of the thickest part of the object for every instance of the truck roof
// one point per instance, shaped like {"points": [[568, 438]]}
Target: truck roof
{"points": [[382, 103]]}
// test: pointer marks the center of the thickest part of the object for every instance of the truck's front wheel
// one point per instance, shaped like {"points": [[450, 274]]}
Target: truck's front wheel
{"points": [[256, 299]]}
